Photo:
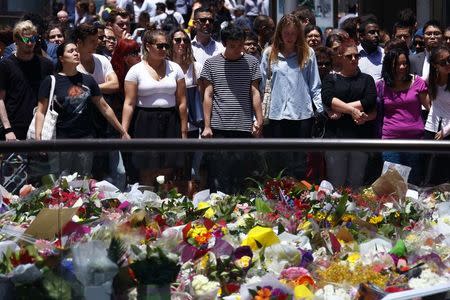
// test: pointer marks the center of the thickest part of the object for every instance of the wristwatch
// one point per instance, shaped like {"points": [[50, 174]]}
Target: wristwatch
{"points": [[8, 130]]}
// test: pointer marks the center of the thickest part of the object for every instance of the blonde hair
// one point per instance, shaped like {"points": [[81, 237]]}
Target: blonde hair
{"points": [[302, 48], [24, 27]]}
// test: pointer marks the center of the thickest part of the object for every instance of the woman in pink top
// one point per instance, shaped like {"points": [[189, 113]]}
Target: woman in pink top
{"points": [[401, 96]]}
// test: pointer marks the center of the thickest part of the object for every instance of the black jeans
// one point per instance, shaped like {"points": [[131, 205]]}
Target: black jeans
{"points": [[293, 163], [227, 170]]}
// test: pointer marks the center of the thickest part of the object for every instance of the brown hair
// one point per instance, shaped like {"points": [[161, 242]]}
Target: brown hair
{"points": [[345, 44], [150, 38], [189, 56], [301, 45]]}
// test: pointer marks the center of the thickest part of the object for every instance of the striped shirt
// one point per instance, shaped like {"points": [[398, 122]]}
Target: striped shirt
{"points": [[232, 99]]}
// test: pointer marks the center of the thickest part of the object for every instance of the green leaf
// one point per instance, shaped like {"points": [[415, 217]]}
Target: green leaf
{"points": [[342, 206], [262, 206], [48, 180]]}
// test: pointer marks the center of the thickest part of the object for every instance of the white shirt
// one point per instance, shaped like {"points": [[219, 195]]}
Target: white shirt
{"points": [[189, 75], [439, 111], [159, 19], [371, 63], [152, 93], [102, 68], [202, 53], [147, 6], [426, 66]]}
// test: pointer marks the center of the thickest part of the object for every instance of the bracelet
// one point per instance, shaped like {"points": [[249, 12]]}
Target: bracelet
{"points": [[8, 130]]}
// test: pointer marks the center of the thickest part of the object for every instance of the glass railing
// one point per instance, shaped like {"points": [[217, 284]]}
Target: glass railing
{"points": [[204, 219]]}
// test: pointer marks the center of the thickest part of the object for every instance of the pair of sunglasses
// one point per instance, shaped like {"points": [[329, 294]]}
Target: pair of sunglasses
{"points": [[161, 46], [204, 20], [351, 56], [32, 39], [178, 40]]}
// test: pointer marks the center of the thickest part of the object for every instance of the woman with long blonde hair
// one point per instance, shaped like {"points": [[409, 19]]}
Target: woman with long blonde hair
{"points": [[295, 81]]}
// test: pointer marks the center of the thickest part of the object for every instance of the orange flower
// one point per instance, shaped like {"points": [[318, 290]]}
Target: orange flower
{"points": [[203, 238], [263, 294]]}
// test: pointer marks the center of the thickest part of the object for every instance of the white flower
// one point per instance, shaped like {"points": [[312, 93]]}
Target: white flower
{"points": [[427, 279], [202, 285], [160, 179], [330, 292]]}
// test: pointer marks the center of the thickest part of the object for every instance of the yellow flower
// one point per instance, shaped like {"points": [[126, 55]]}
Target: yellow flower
{"points": [[320, 216], [353, 257], [244, 261], [347, 217], [209, 213], [375, 220]]}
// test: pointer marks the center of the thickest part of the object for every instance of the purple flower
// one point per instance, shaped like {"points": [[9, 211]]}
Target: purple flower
{"points": [[241, 251]]}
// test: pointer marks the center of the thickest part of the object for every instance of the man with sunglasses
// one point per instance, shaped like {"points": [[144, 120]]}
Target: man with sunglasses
{"points": [[371, 54], [203, 46], [20, 77]]}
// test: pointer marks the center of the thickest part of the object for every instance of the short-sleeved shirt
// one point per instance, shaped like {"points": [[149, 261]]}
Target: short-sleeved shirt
{"points": [[439, 116], [232, 99], [21, 80], [360, 87], [73, 103], [371, 63], [154, 93], [202, 53], [402, 111], [102, 68]]}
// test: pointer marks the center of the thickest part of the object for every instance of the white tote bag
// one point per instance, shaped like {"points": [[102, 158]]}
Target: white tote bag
{"points": [[49, 128]]}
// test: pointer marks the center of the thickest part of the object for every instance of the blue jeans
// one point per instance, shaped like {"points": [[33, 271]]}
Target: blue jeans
{"points": [[412, 160]]}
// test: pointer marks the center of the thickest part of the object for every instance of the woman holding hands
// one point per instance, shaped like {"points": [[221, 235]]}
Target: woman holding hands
{"points": [[155, 92]]}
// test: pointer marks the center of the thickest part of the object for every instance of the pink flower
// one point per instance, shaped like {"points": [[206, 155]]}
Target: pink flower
{"points": [[294, 272]]}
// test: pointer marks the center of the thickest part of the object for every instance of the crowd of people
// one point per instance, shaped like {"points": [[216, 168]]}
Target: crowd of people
{"points": [[161, 70]]}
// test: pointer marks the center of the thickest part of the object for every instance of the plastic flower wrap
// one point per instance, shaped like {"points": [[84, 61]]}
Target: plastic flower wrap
{"points": [[92, 265], [279, 256], [268, 288]]}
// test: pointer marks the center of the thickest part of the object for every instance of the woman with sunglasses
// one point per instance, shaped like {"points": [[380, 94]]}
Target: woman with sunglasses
{"points": [[437, 125], [400, 96], [75, 96], [181, 53], [352, 94], [155, 94]]}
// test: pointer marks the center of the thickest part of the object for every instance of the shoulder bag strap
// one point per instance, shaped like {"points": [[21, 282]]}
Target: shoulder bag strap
{"points": [[52, 92]]}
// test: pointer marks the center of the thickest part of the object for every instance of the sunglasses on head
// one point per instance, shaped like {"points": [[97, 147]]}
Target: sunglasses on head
{"points": [[204, 20], [161, 46], [185, 40], [444, 62], [351, 56], [32, 39]]}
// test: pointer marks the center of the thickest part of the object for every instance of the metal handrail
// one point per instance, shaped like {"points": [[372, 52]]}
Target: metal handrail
{"points": [[185, 145]]}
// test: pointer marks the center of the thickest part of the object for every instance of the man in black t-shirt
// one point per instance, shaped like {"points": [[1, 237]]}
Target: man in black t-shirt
{"points": [[20, 77]]}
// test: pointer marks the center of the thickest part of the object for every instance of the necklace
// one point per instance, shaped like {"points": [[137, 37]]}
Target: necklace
{"points": [[159, 71]]}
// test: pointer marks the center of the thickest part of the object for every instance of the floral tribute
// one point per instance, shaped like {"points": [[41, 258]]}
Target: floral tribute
{"points": [[282, 239]]}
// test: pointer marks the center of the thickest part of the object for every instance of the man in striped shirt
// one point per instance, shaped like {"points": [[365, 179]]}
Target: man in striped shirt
{"points": [[232, 105]]}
